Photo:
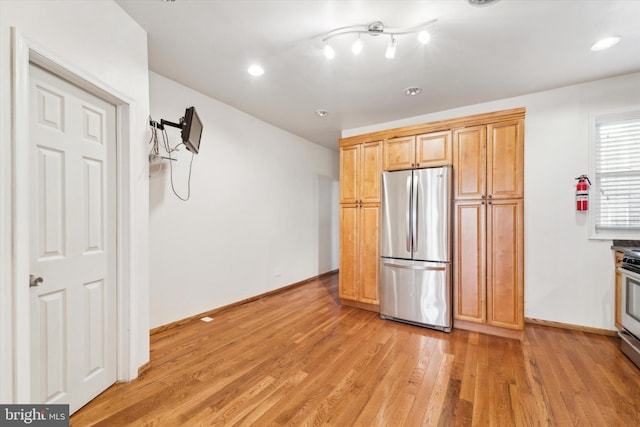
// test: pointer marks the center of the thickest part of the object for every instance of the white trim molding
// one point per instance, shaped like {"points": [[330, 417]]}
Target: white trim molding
{"points": [[26, 51]]}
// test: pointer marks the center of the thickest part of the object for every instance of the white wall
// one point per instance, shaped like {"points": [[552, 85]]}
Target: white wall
{"points": [[568, 278], [100, 39], [263, 202]]}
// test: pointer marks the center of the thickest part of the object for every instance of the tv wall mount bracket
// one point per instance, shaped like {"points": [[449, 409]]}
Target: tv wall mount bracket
{"points": [[161, 126], [164, 123]]}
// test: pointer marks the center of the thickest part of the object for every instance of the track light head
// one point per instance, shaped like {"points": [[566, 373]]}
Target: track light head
{"points": [[391, 48], [356, 48], [424, 37], [329, 53]]}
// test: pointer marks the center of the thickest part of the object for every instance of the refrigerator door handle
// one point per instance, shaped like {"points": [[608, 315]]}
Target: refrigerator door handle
{"points": [[408, 215], [414, 215], [414, 267]]}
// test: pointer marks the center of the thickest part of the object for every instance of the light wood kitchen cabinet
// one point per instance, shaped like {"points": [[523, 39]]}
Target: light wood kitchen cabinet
{"points": [[400, 153], [469, 261], [505, 160], [421, 151], [349, 240], [488, 280], [489, 161], [433, 149], [470, 163], [618, 291], [489, 262], [359, 254], [360, 173], [505, 263], [349, 174], [360, 167], [487, 154]]}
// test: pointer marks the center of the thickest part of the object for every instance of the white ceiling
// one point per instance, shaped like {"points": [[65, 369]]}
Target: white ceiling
{"points": [[477, 54]]}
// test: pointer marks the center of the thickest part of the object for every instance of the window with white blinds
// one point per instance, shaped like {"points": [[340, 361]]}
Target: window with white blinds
{"points": [[617, 173]]}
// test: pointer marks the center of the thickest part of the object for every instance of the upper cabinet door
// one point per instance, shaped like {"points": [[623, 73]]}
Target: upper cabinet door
{"points": [[370, 166], [433, 149], [349, 170], [505, 160], [469, 160], [399, 153]]}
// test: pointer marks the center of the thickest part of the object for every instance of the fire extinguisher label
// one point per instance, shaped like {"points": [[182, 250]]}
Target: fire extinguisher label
{"points": [[582, 202]]}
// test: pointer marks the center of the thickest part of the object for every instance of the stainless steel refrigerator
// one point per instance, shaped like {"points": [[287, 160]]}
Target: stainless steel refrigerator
{"points": [[415, 248]]}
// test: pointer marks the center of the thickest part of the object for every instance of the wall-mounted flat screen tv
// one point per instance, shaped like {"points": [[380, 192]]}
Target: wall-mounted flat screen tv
{"points": [[191, 130]]}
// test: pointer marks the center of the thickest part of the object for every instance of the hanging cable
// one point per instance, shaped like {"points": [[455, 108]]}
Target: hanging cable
{"points": [[155, 151], [165, 139]]}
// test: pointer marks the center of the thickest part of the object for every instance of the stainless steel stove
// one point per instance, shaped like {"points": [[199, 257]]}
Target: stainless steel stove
{"points": [[631, 260], [630, 305]]}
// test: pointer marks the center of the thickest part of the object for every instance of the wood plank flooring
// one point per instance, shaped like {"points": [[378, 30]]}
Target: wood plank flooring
{"points": [[300, 359]]}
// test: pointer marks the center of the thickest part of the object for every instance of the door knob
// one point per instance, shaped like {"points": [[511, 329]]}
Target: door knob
{"points": [[35, 281]]}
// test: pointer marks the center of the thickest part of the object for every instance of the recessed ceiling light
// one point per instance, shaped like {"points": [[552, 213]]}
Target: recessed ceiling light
{"points": [[605, 43], [322, 113], [255, 70], [412, 91]]}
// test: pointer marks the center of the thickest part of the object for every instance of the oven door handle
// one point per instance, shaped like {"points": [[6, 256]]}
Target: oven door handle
{"points": [[629, 273]]}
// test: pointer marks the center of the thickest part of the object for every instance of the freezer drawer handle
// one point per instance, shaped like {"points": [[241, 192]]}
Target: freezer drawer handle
{"points": [[414, 267]]}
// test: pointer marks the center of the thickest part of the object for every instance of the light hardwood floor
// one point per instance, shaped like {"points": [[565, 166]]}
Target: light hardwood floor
{"points": [[299, 358]]}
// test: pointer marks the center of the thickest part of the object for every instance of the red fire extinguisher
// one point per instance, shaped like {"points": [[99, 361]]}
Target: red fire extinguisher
{"points": [[582, 193]]}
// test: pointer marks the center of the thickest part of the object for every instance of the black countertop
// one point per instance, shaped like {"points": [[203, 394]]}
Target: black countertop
{"points": [[621, 245]]}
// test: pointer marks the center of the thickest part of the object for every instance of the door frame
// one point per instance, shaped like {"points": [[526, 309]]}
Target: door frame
{"points": [[26, 51]]}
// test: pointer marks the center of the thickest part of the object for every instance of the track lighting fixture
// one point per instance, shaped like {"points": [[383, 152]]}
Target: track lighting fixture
{"points": [[375, 29]]}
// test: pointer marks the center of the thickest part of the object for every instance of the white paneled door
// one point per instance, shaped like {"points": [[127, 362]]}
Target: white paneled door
{"points": [[72, 242]]}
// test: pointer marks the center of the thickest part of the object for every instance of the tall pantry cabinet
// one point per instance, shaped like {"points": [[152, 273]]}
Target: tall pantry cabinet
{"points": [[487, 153], [360, 167], [488, 231]]}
